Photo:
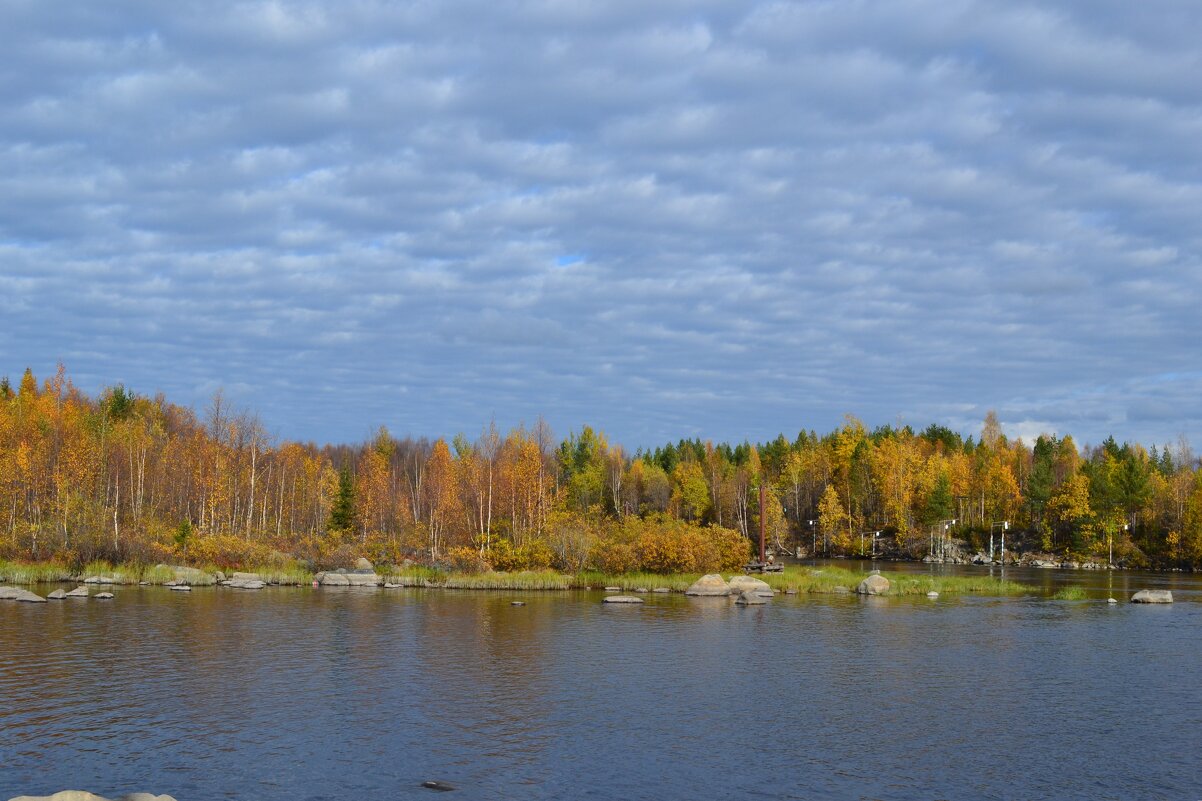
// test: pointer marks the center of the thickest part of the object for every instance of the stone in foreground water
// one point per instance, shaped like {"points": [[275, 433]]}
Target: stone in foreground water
{"points": [[1152, 597]]}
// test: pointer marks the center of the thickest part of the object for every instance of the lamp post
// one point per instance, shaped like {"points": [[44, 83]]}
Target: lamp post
{"points": [[813, 538], [875, 534]]}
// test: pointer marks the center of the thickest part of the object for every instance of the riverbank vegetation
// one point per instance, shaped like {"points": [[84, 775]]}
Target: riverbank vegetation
{"points": [[137, 481]]}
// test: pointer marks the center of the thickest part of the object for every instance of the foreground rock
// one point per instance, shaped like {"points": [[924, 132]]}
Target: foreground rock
{"points": [[709, 585], [79, 592], [18, 594], [57, 595], [246, 583], [1152, 597], [622, 599], [739, 584], [79, 795], [752, 598], [103, 596], [180, 588], [873, 585], [363, 565]]}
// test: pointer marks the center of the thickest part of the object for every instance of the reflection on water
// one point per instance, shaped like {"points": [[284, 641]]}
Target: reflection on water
{"points": [[324, 694]]}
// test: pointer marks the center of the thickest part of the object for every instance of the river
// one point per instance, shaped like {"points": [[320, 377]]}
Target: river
{"points": [[297, 693]]}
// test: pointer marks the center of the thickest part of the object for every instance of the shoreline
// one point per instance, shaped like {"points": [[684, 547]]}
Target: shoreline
{"points": [[794, 579]]}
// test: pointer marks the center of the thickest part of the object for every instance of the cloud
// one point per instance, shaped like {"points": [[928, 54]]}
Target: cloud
{"points": [[661, 219]]}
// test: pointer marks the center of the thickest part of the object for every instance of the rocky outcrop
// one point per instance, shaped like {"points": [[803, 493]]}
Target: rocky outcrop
{"points": [[740, 583], [1152, 597], [709, 585], [621, 599], [19, 594], [79, 795], [873, 585], [362, 564]]}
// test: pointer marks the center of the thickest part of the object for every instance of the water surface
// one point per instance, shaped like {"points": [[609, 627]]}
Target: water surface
{"points": [[295, 693]]}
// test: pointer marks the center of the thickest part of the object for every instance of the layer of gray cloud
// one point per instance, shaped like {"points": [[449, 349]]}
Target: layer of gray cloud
{"points": [[664, 219]]}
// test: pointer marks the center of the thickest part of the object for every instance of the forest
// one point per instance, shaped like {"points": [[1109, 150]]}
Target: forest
{"points": [[136, 479]]}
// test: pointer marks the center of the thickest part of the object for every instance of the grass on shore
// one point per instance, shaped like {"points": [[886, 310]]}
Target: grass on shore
{"points": [[798, 579], [1070, 594]]}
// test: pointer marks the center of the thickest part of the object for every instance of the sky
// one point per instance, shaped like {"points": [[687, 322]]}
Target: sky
{"points": [[662, 219]]}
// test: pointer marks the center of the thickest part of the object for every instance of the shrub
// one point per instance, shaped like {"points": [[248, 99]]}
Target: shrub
{"points": [[462, 559]]}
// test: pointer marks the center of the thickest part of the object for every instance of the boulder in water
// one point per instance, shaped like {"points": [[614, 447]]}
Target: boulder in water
{"points": [[79, 592], [19, 594], [874, 585], [711, 584], [57, 595], [1152, 597], [103, 596], [752, 598], [621, 599], [739, 584], [79, 795]]}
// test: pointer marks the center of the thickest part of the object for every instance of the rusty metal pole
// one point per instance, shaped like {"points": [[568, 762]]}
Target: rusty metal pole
{"points": [[762, 523]]}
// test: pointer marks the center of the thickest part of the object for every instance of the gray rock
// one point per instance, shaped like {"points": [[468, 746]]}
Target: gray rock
{"points": [[621, 599], [245, 577], [363, 579], [873, 585], [613, 589], [103, 596], [57, 595], [388, 585], [661, 589], [641, 589], [19, 594], [709, 585], [246, 584], [1112, 600], [752, 598], [517, 603], [364, 564], [98, 580], [79, 592], [1152, 597], [220, 576], [740, 583], [932, 594], [181, 588]]}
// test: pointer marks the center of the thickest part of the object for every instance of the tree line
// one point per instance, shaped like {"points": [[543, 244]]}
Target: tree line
{"points": [[127, 477]]}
